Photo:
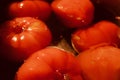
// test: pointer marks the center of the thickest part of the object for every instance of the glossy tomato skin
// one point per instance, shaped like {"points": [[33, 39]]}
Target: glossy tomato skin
{"points": [[101, 33], [50, 63], [20, 37], [74, 13], [101, 63], [31, 8]]}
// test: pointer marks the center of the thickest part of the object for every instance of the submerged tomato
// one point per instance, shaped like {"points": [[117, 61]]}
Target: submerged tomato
{"points": [[101, 33], [51, 63], [74, 13], [31, 8], [20, 37], [101, 63]]}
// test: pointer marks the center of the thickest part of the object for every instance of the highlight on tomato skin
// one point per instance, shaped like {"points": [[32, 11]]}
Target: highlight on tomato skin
{"points": [[74, 13], [33, 8], [100, 63], [99, 34], [50, 63], [22, 36]]}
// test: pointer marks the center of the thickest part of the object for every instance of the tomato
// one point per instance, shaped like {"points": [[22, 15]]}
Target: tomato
{"points": [[101, 33], [74, 13], [29, 8], [51, 63], [20, 37], [101, 63]]}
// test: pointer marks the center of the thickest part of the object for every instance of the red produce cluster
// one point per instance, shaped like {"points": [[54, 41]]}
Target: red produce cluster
{"points": [[58, 40]]}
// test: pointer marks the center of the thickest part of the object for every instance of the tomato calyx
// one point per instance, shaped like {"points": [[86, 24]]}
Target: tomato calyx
{"points": [[18, 29]]}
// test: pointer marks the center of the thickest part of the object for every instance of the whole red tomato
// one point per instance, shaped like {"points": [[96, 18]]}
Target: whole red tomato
{"points": [[50, 63], [101, 63], [101, 33], [32, 8], [20, 37], [74, 13]]}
